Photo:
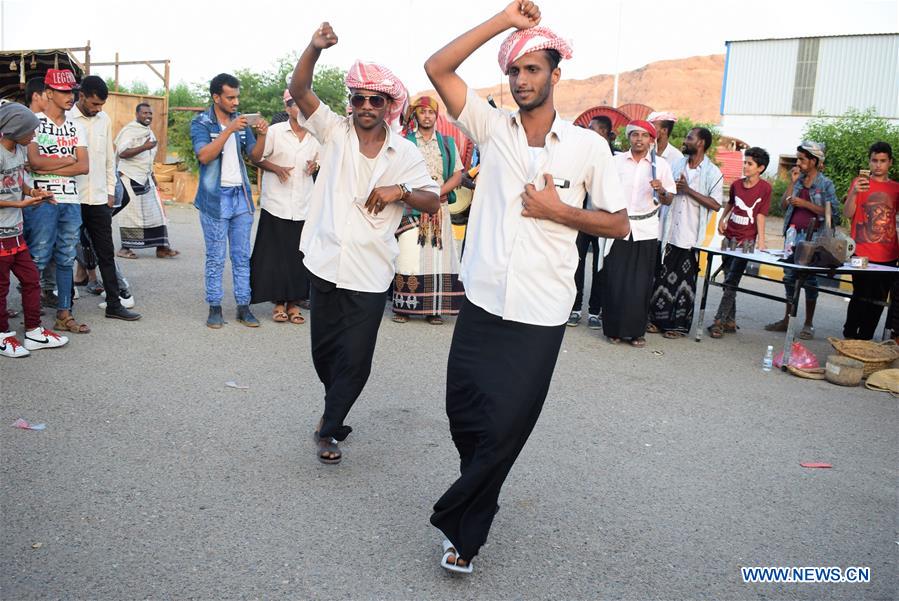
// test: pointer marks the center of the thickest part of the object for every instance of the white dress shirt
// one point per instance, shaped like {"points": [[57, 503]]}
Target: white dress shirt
{"points": [[288, 200], [343, 243], [520, 268], [671, 154], [95, 187], [635, 177]]}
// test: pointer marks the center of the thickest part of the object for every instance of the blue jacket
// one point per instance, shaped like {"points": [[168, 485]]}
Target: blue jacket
{"points": [[821, 191], [203, 129]]}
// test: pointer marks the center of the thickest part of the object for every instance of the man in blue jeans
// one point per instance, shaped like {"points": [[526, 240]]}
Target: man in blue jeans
{"points": [[56, 156], [220, 137], [804, 205]]}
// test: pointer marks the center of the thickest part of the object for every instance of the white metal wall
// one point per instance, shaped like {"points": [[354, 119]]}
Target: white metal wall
{"points": [[760, 77], [853, 72], [858, 72]]}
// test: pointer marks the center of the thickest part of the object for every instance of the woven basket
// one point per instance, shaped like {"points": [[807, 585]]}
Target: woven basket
{"points": [[816, 373], [874, 355]]}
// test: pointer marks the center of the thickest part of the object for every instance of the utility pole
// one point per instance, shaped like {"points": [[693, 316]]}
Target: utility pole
{"points": [[617, 54]]}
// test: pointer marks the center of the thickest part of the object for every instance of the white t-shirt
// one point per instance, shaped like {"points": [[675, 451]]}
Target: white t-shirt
{"points": [[231, 175], [58, 141]]}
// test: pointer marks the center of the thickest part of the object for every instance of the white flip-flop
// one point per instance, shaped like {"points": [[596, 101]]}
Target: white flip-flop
{"points": [[449, 549]]}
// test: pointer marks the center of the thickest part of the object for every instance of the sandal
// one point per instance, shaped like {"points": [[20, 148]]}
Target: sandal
{"points": [[613, 340], [327, 453], [165, 252], [716, 330], [777, 326], [807, 332], [730, 327], [278, 313], [435, 320], [294, 314], [653, 329], [450, 551], [69, 324], [673, 334], [638, 342], [126, 253], [400, 318]]}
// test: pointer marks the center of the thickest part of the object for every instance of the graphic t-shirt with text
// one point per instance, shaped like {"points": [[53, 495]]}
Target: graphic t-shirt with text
{"points": [[58, 141], [12, 177]]}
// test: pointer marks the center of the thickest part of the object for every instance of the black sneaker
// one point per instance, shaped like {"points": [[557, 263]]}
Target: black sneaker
{"points": [[120, 312]]}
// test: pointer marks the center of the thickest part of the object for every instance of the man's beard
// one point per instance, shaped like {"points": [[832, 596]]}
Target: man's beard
{"points": [[539, 100]]}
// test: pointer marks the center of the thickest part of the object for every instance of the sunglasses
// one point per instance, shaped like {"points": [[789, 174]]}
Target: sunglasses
{"points": [[376, 101], [290, 103]]}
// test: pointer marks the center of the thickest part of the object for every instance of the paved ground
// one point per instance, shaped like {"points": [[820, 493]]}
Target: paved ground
{"points": [[650, 475]]}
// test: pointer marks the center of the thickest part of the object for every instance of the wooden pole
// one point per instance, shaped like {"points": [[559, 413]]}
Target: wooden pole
{"points": [[116, 71], [87, 58], [164, 142]]}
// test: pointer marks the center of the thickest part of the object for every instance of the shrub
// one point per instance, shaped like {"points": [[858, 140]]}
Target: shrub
{"points": [[847, 139]]}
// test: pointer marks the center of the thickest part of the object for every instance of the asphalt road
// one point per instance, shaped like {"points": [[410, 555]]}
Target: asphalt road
{"points": [[652, 474]]}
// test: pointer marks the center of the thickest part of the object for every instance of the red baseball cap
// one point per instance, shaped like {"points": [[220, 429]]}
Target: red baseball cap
{"points": [[61, 79]]}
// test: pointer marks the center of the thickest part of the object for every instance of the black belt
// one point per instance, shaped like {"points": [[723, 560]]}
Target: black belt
{"points": [[646, 216]]}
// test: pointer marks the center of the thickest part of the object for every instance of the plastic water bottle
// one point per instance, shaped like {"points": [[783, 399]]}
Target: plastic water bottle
{"points": [[768, 361], [790, 240]]}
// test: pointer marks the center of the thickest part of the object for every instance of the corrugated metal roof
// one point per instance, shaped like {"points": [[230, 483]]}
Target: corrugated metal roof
{"points": [[833, 35]]}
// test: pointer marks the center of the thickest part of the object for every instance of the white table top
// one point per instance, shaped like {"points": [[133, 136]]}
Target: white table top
{"points": [[772, 257]]}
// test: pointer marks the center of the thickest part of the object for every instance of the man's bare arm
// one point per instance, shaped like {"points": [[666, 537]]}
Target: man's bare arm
{"points": [[452, 183], [66, 167], [130, 153], [441, 67], [301, 82]]}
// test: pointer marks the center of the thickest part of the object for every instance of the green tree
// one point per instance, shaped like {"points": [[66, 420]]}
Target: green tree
{"points": [[327, 83], [847, 140], [138, 87], [260, 92], [184, 94]]}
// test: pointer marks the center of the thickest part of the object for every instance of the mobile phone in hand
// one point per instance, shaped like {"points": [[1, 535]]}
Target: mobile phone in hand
{"points": [[252, 118]]}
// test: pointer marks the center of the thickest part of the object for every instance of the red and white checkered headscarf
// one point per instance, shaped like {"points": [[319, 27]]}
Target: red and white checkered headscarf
{"points": [[525, 41], [377, 78]]}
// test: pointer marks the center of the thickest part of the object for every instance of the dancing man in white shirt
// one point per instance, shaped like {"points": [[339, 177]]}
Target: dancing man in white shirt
{"points": [[519, 266], [368, 174]]}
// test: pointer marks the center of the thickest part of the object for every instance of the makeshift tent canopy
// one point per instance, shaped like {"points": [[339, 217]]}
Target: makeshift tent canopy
{"points": [[18, 66], [635, 110], [618, 118]]}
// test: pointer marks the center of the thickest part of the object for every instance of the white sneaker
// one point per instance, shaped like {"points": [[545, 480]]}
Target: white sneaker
{"points": [[128, 303], [40, 337], [11, 347]]}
